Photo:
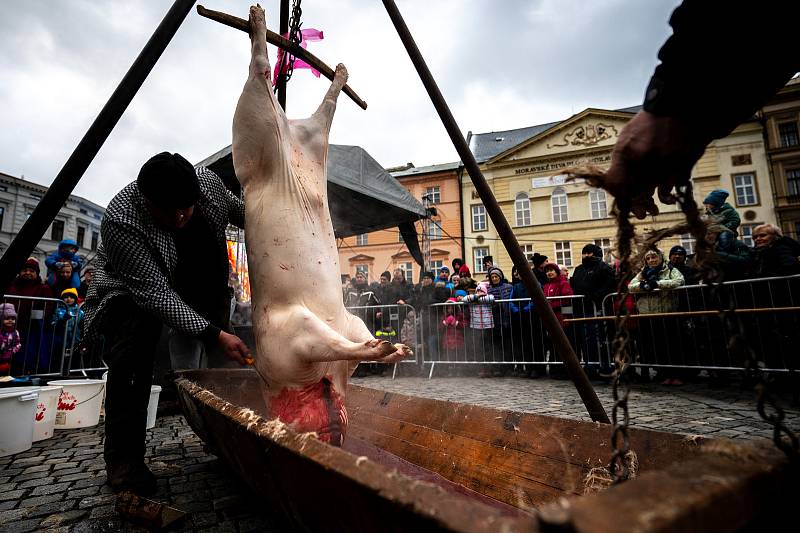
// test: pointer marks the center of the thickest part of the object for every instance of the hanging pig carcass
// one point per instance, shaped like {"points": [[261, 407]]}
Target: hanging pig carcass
{"points": [[307, 343]]}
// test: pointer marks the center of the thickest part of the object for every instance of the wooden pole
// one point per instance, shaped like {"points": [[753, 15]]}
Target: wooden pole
{"points": [[284, 30], [585, 389], [64, 183], [287, 46]]}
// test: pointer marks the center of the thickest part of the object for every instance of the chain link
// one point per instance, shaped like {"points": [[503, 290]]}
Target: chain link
{"points": [[295, 37]]}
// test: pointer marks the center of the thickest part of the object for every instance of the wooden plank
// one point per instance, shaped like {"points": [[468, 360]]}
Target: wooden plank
{"points": [[507, 475], [586, 444]]}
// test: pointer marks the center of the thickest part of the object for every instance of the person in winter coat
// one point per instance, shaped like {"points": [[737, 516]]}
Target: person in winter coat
{"points": [[593, 279], [526, 331], [732, 257], [10, 343], [67, 253], [718, 211], [500, 288], [31, 315], [557, 285], [775, 254], [656, 274], [360, 295], [538, 260], [658, 336], [452, 330], [481, 322], [465, 280], [68, 320]]}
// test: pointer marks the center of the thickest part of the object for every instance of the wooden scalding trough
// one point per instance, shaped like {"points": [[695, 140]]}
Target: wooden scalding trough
{"points": [[417, 463]]}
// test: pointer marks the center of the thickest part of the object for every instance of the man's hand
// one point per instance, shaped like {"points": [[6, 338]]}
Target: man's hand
{"points": [[234, 348], [652, 153]]}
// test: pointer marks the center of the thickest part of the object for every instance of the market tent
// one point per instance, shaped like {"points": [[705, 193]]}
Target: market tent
{"points": [[362, 196]]}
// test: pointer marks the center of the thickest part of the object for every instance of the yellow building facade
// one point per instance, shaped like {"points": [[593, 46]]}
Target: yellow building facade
{"points": [[556, 218], [436, 186]]}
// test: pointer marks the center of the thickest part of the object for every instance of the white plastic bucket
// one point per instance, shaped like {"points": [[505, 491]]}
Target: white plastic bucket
{"points": [[152, 406], [79, 402], [17, 410], [44, 417]]}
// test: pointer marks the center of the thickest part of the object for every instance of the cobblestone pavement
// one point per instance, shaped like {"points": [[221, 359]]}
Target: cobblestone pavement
{"points": [[58, 485]]}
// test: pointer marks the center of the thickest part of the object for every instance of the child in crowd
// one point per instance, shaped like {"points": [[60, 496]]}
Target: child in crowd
{"points": [[556, 285], [453, 327], [10, 343], [68, 318], [721, 212], [67, 253], [481, 323]]}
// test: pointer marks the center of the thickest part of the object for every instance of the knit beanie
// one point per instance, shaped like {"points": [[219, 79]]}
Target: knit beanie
{"points": [[716, 197], [457, 261], [593, 249], [537, 259], [461, 293], [71, 291], [33, 263], [7, 310], [677, 250], [464, 271], [169, 181]]}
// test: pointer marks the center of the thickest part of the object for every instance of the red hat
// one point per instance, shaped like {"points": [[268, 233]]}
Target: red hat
{"points": [[33, 263], [464, 271]]}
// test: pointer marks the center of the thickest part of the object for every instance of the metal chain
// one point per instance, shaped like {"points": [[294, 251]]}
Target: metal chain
{"points": [[295, 37], [620, 440]]}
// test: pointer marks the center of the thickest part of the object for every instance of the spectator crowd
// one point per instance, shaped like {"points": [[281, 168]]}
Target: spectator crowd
{"points": [[466, 317], [36, 329]]}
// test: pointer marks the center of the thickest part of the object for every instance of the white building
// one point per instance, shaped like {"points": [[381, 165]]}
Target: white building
{"points": [[78, 219]]}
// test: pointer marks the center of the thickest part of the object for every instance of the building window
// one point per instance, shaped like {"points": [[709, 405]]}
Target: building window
{"points": [[3, 188], [363, 269], [83, 211], [433, 194], [793, 181], [435, 266], [605, 245], [98, 216], [57, 230], [81, 236], [527, 250], [2, 216], [408, 271], [477, 258], [559, 202], [478, 218], [687, 241], [361, 240], [788, 134], [37, 195], [745, 187], [746, 233], [563, 253], [597, 201], [95, 239], [522, 208], [435, 230], [400, 236]]}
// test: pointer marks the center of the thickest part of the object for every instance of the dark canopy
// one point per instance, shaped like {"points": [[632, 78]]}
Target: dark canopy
{"points": [[362, 196]]}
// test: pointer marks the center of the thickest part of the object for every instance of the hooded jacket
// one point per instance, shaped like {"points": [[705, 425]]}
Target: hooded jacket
{"points": [[557, 287], [663, 300]]}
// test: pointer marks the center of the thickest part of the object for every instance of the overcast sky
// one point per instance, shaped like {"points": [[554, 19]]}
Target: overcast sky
{"points": [[501, 64]]}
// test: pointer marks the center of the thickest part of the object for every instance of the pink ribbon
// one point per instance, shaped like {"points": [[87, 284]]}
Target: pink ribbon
{"points": [[308, 34]]}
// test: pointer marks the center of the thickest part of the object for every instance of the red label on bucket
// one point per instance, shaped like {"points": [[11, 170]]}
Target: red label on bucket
{"points": [[66, 402], [40, 409]]}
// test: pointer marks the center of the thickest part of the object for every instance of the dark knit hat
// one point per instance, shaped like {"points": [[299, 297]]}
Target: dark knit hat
{"points": [[386, 274], [537, 259], [593, 249], [428, 274], [169, 181], [457, 261], [677, 250], [716, 197], [33, 263]]}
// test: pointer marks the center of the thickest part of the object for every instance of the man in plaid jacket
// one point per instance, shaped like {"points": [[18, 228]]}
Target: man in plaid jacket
{"points": [[163, 260]]}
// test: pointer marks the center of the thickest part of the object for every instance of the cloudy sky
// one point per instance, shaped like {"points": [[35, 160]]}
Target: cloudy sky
{"points": [[501, 64]]}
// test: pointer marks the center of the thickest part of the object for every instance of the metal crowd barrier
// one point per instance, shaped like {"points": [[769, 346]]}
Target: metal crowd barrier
{"points": [[684, 328], [46, 344], [394, 323], [509, 332]]}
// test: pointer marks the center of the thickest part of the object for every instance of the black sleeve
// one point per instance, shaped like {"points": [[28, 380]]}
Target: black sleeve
{"points": [[724, 60]]}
